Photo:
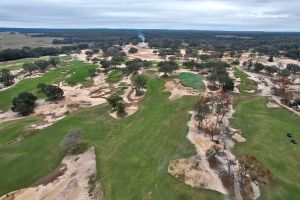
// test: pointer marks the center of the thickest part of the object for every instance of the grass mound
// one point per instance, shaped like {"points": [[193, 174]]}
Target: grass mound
{"points": [[192, 80]]}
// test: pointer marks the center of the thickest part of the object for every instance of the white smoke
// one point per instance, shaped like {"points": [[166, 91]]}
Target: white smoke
{"points": [[142, 37]]}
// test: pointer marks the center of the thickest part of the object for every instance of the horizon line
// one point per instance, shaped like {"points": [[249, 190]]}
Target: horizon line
{"points": [[162, 29]]}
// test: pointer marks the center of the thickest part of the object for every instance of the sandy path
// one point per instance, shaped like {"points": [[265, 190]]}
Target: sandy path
{"points": [[266, 89], [202, 175], [71, 181]]}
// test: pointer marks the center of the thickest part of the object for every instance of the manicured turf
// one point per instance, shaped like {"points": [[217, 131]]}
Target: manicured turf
{"points": [[115, 76], [132, 153], [192, 80], [77, 71], [247, 84], [265, 130]]}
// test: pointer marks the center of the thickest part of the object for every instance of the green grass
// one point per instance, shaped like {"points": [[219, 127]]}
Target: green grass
{"points": [[78, 73], [18, 64], [192, 80], [12, 129], [247, 84], [265, 130], [115, 76], [132, 154]]}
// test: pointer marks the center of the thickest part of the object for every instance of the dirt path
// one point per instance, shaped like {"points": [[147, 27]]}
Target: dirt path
{"points": [[71, 181], [265, 86]]}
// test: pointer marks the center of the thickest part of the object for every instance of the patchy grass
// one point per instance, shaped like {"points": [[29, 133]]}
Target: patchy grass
{"points": [[265, 130], [247, 84], [192, 80], [115, 76], [132, 154]]}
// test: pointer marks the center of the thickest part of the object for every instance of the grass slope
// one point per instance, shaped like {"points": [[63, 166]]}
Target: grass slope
{"points": [[78, 73], [265, 130], [192, 80], [132, 153], [115, 76]]}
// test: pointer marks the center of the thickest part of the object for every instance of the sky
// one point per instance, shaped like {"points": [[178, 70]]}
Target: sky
{"points": [[230, 15]]}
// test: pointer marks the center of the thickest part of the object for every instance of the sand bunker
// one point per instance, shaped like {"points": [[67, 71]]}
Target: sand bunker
{"points": [[75, 97], [195, 171], [71, 181], [131, 102], [178, 90]]}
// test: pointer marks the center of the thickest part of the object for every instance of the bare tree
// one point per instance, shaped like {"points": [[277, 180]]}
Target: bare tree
{"points": [[72, 139]]}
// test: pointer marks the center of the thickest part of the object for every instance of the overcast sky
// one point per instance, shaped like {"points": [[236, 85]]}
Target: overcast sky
{"points": [[256, 15]]}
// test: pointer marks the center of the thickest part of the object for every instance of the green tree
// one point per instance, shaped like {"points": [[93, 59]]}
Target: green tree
{"points": [[54, 93], [29, 67], [133, 66], [139, 82], [24, 103], [133, 50], [105, 64], [6, 77], [258, 67], [120, 108], [41, 87], [113, 100], [167, 67], [54, 61], [42, 65]]}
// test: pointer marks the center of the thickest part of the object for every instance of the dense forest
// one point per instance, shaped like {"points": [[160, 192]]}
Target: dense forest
{"points": [[265, 43]]}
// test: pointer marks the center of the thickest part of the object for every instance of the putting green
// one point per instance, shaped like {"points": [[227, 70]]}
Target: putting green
{"points": [[192, 80]]}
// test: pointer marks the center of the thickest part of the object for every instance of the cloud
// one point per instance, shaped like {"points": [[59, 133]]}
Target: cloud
{"points": [[267, 15]]}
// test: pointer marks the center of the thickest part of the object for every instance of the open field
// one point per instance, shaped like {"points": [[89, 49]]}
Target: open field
{"points": [[192, 80], [265, 130], [19, 40], [75, 72], [132, 154]]}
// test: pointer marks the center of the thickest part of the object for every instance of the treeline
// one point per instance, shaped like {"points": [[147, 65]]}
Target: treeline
{"points": [[170, 41], [263, 43], [27, 52]]}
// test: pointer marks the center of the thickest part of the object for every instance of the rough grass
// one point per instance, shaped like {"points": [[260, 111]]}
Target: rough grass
{"points": [[192, 80], [132, 153], [115, 76], [265, 130], [78, 74], [247, 84]]}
